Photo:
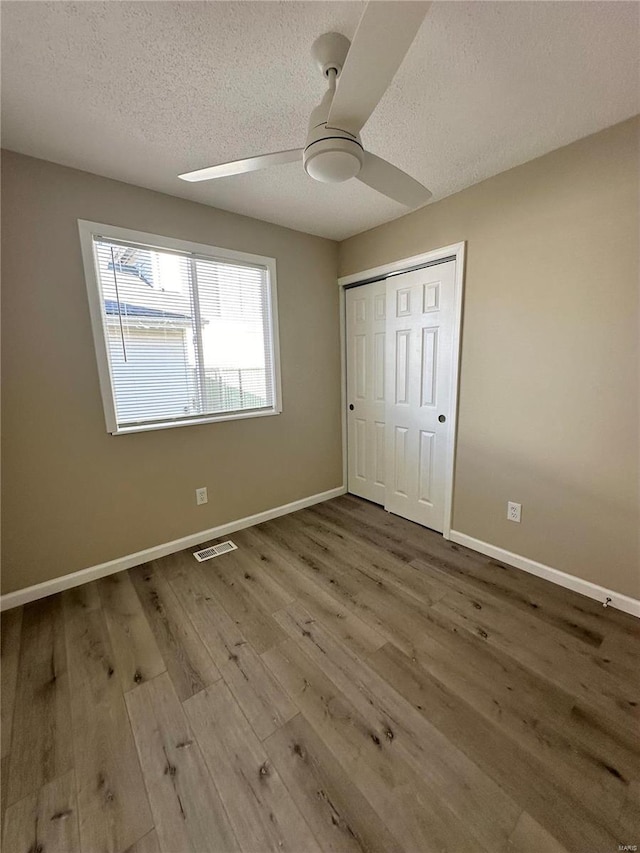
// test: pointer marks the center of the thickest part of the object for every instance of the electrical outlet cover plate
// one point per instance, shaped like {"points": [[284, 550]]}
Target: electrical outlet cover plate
{"points": [[514, 511], [201, 496]]}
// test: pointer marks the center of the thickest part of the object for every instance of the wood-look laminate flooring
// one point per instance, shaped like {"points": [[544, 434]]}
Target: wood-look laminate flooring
{"points": [[345, 681]]}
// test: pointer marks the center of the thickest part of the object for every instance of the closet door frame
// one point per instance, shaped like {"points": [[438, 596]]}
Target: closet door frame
{"points": [[456, 252]]}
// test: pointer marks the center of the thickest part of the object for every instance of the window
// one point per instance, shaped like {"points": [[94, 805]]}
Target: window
{"points": [[184, 333]]}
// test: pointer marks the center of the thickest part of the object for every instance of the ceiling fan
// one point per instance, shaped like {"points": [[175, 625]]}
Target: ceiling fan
{"points": [[359, 74]]}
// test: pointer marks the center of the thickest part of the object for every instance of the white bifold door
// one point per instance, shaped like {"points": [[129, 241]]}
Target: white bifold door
{"points": [[366, 390], [400, 335]]}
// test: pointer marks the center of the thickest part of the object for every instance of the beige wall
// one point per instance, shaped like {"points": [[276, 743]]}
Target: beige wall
{"points": [[74, 496], [549, 378]]}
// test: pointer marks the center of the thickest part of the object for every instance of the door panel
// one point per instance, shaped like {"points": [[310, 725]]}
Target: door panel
{"points": [[381, 452], [425, 466], [429, 366], [366, 388], [420, 318]]}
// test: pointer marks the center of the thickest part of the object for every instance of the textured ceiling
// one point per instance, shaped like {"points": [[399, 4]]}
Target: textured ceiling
{"points": [[142, 91]]}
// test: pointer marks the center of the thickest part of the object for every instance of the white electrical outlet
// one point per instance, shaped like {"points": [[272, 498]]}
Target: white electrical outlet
{"points": [[513, 511], [201, 496]]}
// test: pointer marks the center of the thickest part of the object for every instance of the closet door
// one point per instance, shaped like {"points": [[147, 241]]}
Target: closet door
{"points": [[419, 349], [366, 387]]}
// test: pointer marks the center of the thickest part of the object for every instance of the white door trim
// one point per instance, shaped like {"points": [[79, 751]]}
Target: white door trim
{"points": [[457, 251]]}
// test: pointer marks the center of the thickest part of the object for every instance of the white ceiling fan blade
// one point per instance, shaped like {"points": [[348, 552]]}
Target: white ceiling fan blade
{"points": [[238, 167], [383, 37], [392, 182]]}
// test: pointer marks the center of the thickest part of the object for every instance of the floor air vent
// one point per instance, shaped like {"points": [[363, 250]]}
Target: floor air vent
{"points": [[215, 551]]}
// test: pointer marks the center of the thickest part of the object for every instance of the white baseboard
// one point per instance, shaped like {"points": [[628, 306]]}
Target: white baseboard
{"points": [[42, 590], [592, 590]]}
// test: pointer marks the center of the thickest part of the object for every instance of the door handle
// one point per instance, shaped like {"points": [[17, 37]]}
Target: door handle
{"points": [[441, 418], [351, 407]]}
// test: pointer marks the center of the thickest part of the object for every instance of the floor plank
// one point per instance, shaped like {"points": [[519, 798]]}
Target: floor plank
{"points": [[256, 625], [187, 810], [414, 817], [339, 815], [264, 703], [630, 816], [10, 627], [186, 659], [549, 791], [530, 837], [471, 794], [239, 568], [147, 844], [398, 616], [372, 561], [351, 630], [216, 630], [112, 801], [45, 821], [41, 746], [258, 694], [548, 658], [4, 788], [137, 656], [262, 813], [361, 745]]}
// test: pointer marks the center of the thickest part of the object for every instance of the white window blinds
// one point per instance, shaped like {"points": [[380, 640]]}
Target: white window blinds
{"points": [[187, 337]]}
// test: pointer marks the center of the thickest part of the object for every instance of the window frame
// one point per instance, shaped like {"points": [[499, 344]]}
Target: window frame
{"points": [[88, 230]]}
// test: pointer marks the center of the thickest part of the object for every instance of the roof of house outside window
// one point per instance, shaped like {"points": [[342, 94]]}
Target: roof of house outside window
{"points": [[112, 306]]}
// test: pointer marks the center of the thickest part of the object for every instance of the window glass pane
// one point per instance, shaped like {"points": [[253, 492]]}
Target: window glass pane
{"points": [[235, 353], [186, 336]]}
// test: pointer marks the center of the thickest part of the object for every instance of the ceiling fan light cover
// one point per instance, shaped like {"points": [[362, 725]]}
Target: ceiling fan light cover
{"points": [[333, 161]]}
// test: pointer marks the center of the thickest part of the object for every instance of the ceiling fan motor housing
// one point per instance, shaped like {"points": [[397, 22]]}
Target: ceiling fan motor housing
{"points": [[332, 156]]}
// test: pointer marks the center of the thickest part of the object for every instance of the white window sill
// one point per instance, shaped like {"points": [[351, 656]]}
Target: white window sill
{"points": [[208, 419]]}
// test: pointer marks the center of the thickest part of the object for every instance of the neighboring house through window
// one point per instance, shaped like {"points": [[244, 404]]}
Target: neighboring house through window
{"points": [[184, 333]]}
